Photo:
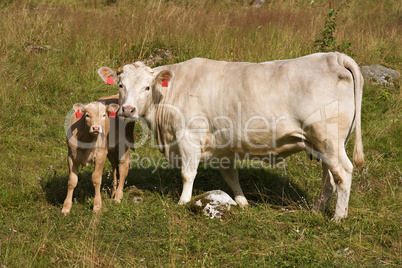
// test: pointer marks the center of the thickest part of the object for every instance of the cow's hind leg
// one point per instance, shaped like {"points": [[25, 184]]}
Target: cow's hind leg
{"points": [[328, 188], [343, 179], [231, 176], [336, 171]]}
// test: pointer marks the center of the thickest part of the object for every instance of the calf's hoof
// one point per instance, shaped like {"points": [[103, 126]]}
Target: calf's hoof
{"points": [[66, 208], [97, 208], [65, 211], [118, 196]]}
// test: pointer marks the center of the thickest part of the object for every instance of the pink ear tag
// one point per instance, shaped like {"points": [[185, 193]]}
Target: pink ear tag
{"points": [[165, 83], [109, 81], [78, 114], [112, 114]]}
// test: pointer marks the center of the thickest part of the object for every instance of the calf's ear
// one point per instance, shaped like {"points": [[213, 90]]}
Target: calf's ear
{"points": [[108, 75], [79, 109], [163, 78]]}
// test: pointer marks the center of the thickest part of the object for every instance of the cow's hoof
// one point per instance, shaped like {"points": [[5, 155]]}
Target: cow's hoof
{"points": [[241, 201], [339, 218], [182, 202]]}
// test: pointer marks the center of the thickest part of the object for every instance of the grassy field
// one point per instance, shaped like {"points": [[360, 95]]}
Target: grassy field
{"points": [[38, 89]]}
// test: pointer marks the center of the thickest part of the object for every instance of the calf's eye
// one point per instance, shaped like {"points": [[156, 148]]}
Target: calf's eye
{"points": [[147, 88]]}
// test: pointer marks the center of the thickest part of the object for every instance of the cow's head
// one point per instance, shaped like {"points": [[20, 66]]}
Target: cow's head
{"points": [[139, 88], [94, 115]]}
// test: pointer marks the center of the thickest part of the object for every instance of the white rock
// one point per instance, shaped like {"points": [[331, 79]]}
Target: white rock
{"points": [[214, 204]]}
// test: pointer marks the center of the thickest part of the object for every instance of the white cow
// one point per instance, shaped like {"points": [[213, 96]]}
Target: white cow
{"points": [[202, 110]]}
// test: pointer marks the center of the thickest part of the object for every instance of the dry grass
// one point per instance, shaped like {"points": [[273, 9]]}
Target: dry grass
{"points": [[38, 89]]}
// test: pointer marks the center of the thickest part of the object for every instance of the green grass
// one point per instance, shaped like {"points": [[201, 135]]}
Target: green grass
{"points": [[38, 89]]}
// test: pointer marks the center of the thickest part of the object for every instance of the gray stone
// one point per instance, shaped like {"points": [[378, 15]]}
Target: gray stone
{"points": [[379, 75], [35, 48], [214, 204], [158, 55], [135, 194], [258, 3]]}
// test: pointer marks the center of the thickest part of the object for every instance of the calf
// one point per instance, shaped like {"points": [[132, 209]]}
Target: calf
{"points": [[92, 135]]}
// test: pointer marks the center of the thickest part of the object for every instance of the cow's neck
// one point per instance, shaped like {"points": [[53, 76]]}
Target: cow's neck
{"points": [[152, 117]]}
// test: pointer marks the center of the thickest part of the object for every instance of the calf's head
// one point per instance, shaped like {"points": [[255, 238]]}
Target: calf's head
{"points": [[139, 88], [94, 115]]}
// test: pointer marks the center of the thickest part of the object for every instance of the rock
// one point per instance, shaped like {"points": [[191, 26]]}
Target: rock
{"points": [[379, 74], [36, 48], [214, 204], [159, 54], [135, 194], [258, 3]]}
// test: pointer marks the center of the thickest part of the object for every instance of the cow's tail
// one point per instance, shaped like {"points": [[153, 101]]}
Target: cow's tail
{"points": [[351, 65]]}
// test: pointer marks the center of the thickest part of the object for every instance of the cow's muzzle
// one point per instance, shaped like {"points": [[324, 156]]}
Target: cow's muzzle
{"points": [[129, 112]]}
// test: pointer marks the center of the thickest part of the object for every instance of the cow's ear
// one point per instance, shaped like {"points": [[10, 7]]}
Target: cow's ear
{"points": [[108, 75], [112, 108], [163, 78]]}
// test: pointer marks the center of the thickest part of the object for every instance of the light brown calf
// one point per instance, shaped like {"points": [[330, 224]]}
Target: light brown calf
{"points": [[92, 135]]}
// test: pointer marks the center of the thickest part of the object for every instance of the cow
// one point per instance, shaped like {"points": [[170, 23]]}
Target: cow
{"points": [[202, 109], [93, 133]]}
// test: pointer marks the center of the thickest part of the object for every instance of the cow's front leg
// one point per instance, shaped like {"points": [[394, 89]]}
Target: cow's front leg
{"points": [[231, 176], [188, 181], [190, 153]]}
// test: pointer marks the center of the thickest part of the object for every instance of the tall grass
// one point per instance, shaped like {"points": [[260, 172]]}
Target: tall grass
{"points": [[38, 89]]}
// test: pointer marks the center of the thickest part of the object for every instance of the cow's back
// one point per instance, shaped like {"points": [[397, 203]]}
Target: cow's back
{"points": [[277, 96]]}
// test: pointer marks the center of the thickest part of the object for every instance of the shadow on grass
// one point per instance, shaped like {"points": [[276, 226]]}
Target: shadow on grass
{"points": [[259, 185]]}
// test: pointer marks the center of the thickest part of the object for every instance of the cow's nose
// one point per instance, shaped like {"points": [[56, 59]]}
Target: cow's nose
{"points": [[96, 129], [128, 111]]}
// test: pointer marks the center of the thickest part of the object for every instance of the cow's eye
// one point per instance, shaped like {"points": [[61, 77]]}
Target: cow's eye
{"points": [[120, 85], [147, 88], [87, 115], [104, 115]]}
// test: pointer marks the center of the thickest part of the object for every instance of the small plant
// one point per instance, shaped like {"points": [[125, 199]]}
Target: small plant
{"points": [[329, 42]]}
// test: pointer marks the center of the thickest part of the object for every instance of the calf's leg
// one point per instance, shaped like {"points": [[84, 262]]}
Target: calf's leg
{"points": [[97, 181], [123, 166], [113, 160], [72, 183]]}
